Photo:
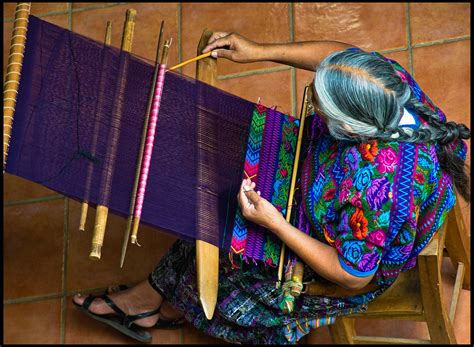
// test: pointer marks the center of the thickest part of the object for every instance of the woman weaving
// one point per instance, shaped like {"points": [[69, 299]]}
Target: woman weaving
{"points": [[377, 182]]}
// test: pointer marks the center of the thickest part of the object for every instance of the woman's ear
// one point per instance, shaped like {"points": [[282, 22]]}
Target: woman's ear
{"points": [[348, 128]]}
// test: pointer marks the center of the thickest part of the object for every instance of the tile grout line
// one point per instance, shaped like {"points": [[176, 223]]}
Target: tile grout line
{"points": [[64, 271], [293, 69], [57, 13], [442, 41], [69, 15], [32, 201], [180, 44], [410, 47]]}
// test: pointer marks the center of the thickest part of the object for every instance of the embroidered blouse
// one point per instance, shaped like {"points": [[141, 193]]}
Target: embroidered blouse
{"points": [[378, 203]]}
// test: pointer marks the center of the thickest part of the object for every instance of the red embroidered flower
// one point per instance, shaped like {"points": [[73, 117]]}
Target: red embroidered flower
{"points": [[329, 194], [284, 172], [368, 151], [419, 177], [358, 224]]}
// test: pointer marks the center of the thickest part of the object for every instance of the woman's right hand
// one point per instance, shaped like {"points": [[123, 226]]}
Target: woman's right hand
{"points": [[233, 47]]}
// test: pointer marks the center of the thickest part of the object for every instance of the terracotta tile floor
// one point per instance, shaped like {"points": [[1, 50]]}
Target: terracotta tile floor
{"points": [[45, 256]]}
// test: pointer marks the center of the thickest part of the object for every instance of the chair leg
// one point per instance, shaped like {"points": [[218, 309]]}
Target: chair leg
{"points": [[436, 315], [343, 330], [458, 245]]}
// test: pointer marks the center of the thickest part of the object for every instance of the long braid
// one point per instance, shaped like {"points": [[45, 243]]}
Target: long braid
{"points": [[444, 133]]}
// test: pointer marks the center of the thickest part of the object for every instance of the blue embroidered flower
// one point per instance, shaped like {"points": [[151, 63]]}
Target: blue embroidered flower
{"points": [[352, 251], [363, 178], [352, 158]]}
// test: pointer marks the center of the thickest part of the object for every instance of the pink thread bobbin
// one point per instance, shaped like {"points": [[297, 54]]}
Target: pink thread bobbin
{"points": [[150, 138]]}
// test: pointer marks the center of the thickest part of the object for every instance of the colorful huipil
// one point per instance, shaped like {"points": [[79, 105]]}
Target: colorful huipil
{"points": [[362, 199]]}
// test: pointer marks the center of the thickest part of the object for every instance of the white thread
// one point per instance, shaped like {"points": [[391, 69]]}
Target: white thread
{"points": [[16, 53], [13, 99], [17, 44], [16, 28], [14, 63], [6, 143], [7, 117], [12, 81], [7, 135], [10, 90], [26, 18], [18, 35], [7, 125], [17, 72], [9, 107]]}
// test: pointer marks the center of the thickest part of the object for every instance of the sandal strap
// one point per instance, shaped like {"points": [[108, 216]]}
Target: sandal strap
{"points": [[127, 319], [112, 305], [88, 301]]}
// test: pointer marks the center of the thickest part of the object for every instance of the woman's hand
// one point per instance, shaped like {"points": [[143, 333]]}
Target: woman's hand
{"points": [[257, 209], [233, 47]]}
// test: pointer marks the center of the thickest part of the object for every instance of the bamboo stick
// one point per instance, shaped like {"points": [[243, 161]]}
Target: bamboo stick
{"points": [[102, 211], [142, 148], [143, 173], [293, 179], [13, 76], [199, 57], [85, 204]]}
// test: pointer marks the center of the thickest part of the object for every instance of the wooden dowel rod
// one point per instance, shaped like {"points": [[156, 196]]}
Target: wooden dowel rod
{"points": [[85, 203], [141, 150], [13, 76], [136, 221], [102, 211], [293, 179], [199, 57]]}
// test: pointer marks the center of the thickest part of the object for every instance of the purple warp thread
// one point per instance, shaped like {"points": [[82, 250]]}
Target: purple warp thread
{"points": [[61, 109]]}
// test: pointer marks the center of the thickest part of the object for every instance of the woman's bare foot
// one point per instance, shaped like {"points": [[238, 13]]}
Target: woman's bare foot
{"points": [[139, 299]]}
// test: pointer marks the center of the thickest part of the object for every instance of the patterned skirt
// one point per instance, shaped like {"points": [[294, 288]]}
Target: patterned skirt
{"points": [[247, 309]]}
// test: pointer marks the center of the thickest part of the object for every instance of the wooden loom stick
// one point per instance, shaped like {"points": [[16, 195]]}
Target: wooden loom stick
{"points": [[142, 148], [207, 255], [102, 211], [293, 178], [150, 137], [90, 169], [13, 76], [199, 57]]}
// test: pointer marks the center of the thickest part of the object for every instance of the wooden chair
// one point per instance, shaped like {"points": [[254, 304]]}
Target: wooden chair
{"points": [[418, 294]]}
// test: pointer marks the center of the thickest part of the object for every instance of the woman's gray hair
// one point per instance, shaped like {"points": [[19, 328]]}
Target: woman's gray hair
{"points": [[362, 91]]}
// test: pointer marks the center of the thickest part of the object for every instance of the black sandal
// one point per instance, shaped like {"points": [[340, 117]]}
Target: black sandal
{"points": [[167, 324], [118, 320]]}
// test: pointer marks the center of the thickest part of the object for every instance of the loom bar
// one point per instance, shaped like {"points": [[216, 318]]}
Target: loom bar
{"points": [[150, 137], [85, 204], [141, 150], [102, 211], [13, 76], [293, 179]]}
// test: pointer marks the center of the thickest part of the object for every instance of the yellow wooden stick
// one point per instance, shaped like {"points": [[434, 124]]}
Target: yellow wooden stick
{"points": [[199, 57], [293, 179]]}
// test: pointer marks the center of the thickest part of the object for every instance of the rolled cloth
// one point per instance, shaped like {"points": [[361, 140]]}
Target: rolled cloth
{"points": [[66, 99]]}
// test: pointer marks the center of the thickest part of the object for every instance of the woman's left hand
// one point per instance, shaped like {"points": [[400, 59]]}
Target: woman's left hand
{"points": [[257, 209]]}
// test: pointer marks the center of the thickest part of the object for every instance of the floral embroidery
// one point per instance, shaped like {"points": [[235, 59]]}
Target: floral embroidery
{"points": [[363, 178], [377, 193], [376, 237], [352, 158], [386, 160], [368, 151], [358, 224], [329, 194], [352, 251], [368, 261]]}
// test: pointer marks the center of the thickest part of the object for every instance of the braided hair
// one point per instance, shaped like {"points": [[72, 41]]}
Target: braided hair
{"points": [[362, 92]]}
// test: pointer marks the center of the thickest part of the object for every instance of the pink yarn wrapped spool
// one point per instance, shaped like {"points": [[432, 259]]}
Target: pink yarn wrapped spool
{"points": [[150, 138]]}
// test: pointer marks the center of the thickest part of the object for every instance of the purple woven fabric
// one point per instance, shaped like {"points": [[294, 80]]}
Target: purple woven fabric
{"points": [[78, 124]]}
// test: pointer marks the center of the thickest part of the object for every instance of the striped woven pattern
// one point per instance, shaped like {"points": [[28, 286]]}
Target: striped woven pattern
{"points": [[269, 162]]}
